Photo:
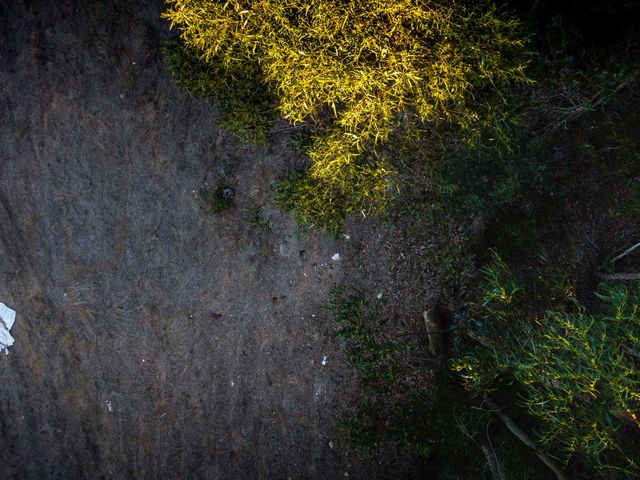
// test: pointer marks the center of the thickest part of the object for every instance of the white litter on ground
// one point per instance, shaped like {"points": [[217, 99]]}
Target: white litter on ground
{"points": [[336, 257], [324, 360], [7, 318]]}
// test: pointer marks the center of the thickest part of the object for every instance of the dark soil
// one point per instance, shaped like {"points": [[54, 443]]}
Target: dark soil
{"points": [[153, 340]]}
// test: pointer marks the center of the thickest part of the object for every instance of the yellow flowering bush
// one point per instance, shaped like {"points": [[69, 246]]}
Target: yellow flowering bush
{"points": [[357, 70]]}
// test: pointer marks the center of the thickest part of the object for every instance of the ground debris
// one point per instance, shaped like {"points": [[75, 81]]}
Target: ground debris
{"points": [[7, 319]]}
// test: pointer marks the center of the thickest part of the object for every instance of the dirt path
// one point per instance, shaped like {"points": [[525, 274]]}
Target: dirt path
{"points": [[152, 340]]}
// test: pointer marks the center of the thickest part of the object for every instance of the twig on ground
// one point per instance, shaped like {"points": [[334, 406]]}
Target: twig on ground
{"points": [[492, 461], [527, 440], [487, 451], [481, 340], [618, 276], [626, 252]]}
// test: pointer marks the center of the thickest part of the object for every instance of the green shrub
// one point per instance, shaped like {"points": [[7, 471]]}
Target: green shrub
{"points": [[577, 373], [363, 428], [246, 107], [357, 71], [375, 359], [581, 375], [486, 179], [443, 422], [256, 218], [626, 201], [435, 422], [313, 202], [218, 200], [301, 141]]}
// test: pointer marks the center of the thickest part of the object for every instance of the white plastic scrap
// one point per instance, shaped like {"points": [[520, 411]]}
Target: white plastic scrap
{"points": [[7, 318], [336, 257]]}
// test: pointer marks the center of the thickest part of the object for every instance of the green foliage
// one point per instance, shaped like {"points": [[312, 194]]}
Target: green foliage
{"points": [[218, 200], [627, 205], [508, 309], [411, 423], [363, 429], [428, 424], [374, 358], [357, 71], [238, 91], [443, 423], [586, 91], [577, 373], [315, 202], [454, 260], [256, 218], [500, 288], [301, 141], [312, 202], [486, 178], [435, 423], [499, 171], [581, 375]]}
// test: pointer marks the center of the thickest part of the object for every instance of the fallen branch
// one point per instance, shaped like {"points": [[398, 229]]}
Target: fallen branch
{"points": [[628, 418], [527, 440], [487, 451], [618, 276], [492, 461], [626, 252], [481, 340]]}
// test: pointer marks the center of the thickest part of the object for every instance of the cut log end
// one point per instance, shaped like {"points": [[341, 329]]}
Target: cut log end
{"points": [[434, 333]]}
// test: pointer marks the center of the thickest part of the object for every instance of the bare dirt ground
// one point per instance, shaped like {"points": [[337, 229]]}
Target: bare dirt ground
{"points": [[152, 339]]}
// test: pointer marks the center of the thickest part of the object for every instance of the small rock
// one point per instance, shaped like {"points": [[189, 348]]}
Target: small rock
{"points": [[336, 257]]}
